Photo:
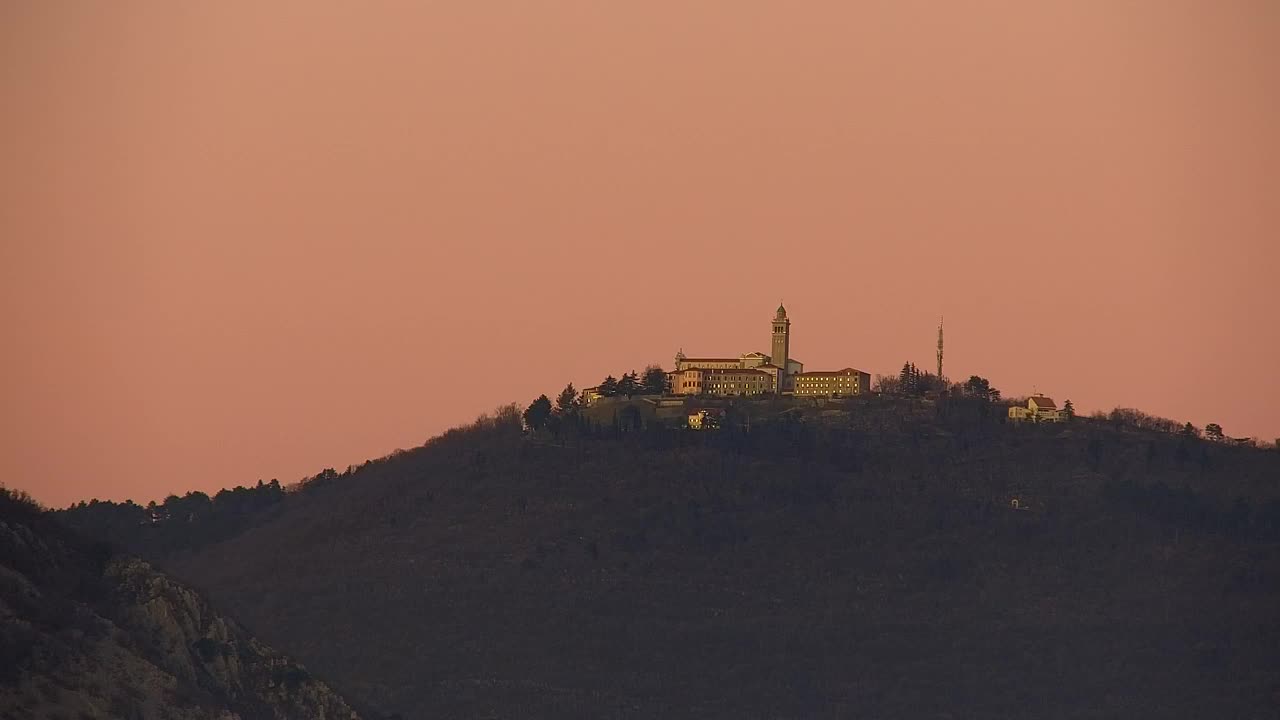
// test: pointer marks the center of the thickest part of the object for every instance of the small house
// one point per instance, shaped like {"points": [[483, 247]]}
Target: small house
{"points": [[1039, 409], [705, 419]]}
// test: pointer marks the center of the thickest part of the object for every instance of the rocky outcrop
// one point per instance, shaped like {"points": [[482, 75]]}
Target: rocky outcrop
{"points": [[86, 634]]}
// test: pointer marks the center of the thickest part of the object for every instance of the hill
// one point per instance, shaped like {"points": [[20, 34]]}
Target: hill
{"points": [[859, 559], [85, 634]]}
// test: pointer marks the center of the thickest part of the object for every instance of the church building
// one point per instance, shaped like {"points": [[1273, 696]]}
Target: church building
{"points": [[753, 373]]}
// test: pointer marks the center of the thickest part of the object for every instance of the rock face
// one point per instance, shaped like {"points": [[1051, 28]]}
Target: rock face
{"points": [[88, 634]]}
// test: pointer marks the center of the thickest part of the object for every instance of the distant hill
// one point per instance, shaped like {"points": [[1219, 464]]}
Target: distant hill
{"points": [[86, 633], [858, 559]]}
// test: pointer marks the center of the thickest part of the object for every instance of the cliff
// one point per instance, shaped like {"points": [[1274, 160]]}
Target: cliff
{"points": [[85, 633]]}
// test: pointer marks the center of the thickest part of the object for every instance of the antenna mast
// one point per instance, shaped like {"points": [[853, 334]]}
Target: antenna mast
{"points": [[940, 349]]}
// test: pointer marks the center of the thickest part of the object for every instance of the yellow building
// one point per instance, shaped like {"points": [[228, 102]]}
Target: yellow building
{"points": [[834, 383], [775, 375], [1039, 409], [707, 419], [687, 381], [590, 396], [737, 381]]}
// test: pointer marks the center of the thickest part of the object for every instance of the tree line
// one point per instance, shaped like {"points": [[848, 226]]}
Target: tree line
{"points": [[911, 381], [1137, 419], [652, 382], [542, 414], [183, 519]]}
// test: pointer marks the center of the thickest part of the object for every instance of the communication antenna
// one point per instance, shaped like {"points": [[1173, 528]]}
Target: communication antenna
{"points": [[939, 348]]}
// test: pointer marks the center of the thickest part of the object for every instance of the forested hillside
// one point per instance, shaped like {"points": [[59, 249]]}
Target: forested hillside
{"points": [[864, 559]]}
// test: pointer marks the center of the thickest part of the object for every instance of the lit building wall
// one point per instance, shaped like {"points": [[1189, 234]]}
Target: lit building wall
{"points": [[740, 381], [686, 382], [836, 383]]}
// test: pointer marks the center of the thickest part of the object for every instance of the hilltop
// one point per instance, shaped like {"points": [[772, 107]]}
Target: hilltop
{"points": [[865, 558], [86, 633]]}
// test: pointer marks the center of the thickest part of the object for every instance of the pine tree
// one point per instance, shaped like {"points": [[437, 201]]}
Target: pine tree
{"points": [[567, 401], [653, 381], [1069, 409], [609, 387], [538, 412], [629, 385]]}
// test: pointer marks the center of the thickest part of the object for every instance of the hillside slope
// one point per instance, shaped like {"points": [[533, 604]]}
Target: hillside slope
{"points": [[866, 563], [87, 634]]}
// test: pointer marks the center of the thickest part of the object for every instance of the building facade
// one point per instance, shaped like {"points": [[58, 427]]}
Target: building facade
{"points": [[723, 381], [685, 382], [737, 381], [835, 383]]}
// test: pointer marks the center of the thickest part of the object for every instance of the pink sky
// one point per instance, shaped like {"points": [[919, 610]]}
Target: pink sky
{"points": [[248, 240]]}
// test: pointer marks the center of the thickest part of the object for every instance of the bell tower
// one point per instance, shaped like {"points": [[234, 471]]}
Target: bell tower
{"points": [[781, 340]]}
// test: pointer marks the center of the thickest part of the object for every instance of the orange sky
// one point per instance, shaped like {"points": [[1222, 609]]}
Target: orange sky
{"points": [[247, 240]]}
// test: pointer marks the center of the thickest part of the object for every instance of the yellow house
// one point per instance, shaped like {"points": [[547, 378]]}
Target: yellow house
{"points": [[1039, 409], [591, 395], [707, 419]]}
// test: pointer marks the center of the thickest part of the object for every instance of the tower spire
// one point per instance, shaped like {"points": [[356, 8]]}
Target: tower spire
{"points": [[939, 348]]}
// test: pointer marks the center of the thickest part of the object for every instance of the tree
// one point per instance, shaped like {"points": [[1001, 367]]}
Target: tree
{"points": [[1190, 431], [536, 415], [629, 385], [1213, 431], [1069, 409], [567, 401], [927, 382], [977, 387], [609, 387], [887, 384], [653, 381], [980, 387], [913, 382]]}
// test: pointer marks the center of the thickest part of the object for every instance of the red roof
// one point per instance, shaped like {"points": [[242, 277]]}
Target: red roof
{"points": [[1043, 402]]}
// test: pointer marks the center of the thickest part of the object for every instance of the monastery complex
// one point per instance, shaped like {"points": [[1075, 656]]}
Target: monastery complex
{"points": [[757, 373]]}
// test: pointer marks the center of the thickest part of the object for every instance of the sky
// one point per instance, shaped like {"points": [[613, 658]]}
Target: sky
{"points": [[248, 240]]}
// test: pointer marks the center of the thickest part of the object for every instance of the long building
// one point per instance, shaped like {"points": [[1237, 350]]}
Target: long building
{"points": [[835, 383]]}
